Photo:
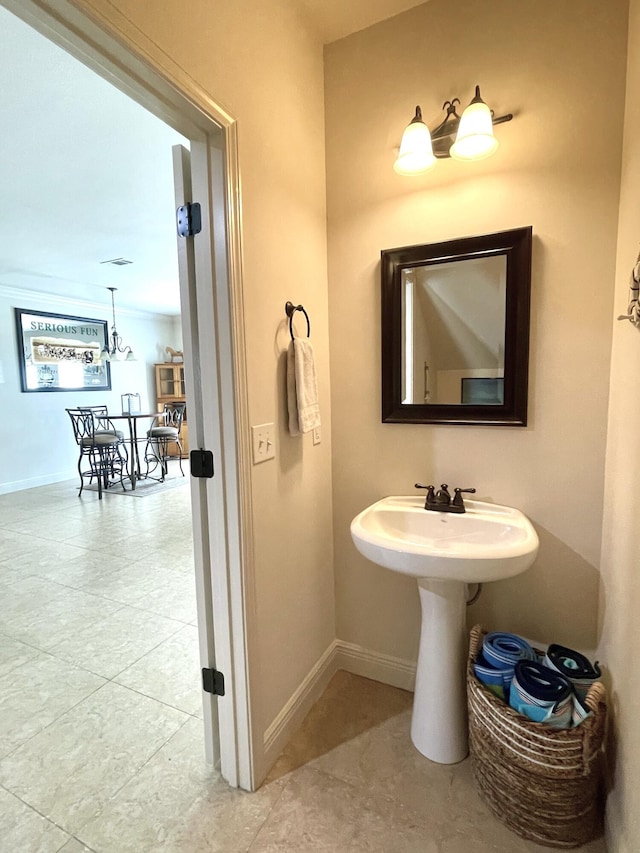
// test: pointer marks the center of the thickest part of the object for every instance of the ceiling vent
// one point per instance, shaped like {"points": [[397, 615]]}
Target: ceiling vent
{"points": [[118, 262]]}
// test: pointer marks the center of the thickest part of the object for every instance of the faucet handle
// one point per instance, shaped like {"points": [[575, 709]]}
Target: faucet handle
{"points": [[430, 492], [457, 500]]}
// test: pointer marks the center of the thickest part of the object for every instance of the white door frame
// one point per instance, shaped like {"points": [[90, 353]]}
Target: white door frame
{"points": [[136, 66]]}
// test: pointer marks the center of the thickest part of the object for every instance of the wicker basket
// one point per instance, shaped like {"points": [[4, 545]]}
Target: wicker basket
{"points": [[543, 783]]}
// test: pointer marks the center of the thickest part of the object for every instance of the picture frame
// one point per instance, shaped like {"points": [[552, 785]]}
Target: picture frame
{"points": [[61, 352]]}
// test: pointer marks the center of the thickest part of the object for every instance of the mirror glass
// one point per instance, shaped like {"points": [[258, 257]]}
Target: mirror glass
{"points": [[453, 323], [455, 330]]}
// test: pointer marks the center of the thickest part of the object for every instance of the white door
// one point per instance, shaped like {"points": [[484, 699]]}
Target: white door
{"points": [[216, 529]]}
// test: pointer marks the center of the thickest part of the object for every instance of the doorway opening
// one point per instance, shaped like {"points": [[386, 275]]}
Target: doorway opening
{"points": [[213, 366]]}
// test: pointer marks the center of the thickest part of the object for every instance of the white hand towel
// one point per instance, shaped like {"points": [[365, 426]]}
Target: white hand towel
{"points": [[292, 399], [302, 387]]}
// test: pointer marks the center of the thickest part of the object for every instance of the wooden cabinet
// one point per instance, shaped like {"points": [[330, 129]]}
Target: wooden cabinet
{"points": [[170, 383], [170, 389]]}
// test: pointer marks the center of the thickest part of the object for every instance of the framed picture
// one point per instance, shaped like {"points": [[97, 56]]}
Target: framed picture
{"points": [[483, 392], [58, 352]]}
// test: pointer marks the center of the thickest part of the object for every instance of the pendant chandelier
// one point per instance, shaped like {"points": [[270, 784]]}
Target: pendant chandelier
{"points": [[115, 350]]}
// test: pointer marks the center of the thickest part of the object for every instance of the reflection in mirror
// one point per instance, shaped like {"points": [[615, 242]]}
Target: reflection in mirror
{"points": [[453, 324], [455, 330]]}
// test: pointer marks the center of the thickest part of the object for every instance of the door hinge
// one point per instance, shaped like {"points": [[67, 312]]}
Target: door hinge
{"points": [[213, 682], [189, 219], [201, 463]]}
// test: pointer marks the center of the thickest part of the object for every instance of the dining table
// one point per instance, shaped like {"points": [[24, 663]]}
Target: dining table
{"points": [[134, 471]]}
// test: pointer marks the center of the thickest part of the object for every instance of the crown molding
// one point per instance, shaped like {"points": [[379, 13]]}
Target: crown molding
{"points": [[12, 292]]}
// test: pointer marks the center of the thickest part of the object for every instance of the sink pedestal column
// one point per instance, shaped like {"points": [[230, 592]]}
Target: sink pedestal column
{"points": [[439, 721]]}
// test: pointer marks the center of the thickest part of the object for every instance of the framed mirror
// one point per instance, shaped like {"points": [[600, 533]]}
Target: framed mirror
{"points": [[455, 330], [59, 352]]}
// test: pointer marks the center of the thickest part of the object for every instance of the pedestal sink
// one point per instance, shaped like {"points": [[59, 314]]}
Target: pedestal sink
{"points": [[444, 552]]}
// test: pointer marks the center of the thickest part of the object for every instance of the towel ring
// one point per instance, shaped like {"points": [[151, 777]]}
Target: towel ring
{"points": [[290, 309]]}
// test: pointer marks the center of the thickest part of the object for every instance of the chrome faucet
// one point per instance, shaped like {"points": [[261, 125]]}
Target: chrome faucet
{"points": [[441, 501]]}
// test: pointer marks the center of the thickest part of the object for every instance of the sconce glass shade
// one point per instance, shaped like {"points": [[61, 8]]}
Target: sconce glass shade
{"points": [[416, 152], [475, 139]]}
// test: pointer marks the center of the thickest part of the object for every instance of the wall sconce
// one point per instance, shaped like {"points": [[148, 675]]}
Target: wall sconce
{"points": [[473, 132]]}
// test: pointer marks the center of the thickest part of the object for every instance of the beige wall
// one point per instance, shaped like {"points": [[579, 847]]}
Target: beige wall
{"points": [[620, 592], [558, 169], [258, 61]]}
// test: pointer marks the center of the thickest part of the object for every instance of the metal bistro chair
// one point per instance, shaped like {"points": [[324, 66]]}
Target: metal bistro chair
{"points": [[164, 431], [105, 426], [100, 447], [102, 422]]}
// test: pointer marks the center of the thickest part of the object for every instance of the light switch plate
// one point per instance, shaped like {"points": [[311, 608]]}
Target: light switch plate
{"points": [[263, 441], [317, 435]]}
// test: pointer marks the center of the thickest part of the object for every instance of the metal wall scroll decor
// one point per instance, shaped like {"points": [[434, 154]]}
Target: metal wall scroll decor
{"points": [[633, 309], [58, 352]]}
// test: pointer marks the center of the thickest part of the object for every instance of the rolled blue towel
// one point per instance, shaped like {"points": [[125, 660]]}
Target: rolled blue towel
{"points": [[500, 653], [574, 666], [497, 680], [542, 694], [501, 649]]}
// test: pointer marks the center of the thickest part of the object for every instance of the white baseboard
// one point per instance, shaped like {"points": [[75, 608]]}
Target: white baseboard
{"points": [[375, 665], [33, 482], [296, 709], [338, 655]]}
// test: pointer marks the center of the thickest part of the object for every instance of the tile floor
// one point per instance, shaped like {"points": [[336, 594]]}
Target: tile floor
{"points": [[100, 729]]}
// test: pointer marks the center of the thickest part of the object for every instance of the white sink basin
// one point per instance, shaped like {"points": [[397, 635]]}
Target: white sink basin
{"points": [[486, 543], [444, 551]]}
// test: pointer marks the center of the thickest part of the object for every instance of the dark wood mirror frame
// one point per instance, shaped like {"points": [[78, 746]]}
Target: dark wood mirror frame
{"points": [[516, 246]]}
